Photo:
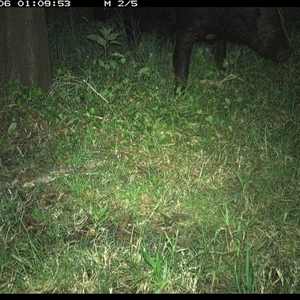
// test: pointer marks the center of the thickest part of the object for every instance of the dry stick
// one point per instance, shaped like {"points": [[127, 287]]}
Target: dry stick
{"points": [[97, 93]]}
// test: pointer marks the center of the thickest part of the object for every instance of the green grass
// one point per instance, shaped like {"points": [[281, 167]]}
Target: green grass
{"points": [[110, 184]]}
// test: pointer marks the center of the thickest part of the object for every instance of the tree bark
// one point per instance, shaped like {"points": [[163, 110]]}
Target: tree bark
{"points": [[24, 50]]}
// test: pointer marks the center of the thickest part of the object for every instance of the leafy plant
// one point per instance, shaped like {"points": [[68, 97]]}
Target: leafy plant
{"points": [[160, 269], [106, 39]]}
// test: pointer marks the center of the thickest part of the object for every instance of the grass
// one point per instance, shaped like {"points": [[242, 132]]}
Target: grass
{"points": [[110, 184]]}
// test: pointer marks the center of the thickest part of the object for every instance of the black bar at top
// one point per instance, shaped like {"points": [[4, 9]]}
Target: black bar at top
{"points": [[90, 3]]}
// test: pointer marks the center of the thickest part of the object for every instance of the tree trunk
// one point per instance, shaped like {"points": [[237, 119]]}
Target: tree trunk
{"points": [[24, 50]]}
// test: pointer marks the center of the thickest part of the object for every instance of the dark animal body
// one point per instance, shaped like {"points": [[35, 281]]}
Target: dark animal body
{"points": [[260, 28]]}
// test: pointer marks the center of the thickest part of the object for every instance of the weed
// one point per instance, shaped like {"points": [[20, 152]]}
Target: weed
{"points": [[106, 40]]}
